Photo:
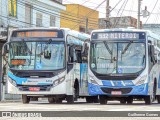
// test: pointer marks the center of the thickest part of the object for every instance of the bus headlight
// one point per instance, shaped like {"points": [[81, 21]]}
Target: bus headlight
{"points": [[12, 81], [58, 81], [93, 81], [141, 80]]}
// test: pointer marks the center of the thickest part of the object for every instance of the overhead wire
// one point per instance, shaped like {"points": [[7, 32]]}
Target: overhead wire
{"points": [[151, 11], [89, 13], [123, 5]]}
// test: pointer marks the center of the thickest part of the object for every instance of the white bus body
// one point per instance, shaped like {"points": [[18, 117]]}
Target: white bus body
{"points": [[124, 65], [47, 62]]}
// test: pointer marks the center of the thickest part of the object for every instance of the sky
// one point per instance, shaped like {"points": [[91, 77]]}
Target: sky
{"points": [[129, 8]]}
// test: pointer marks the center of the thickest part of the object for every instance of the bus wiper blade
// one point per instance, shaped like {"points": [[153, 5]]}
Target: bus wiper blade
{"points": [[110, 52], [30, 52], [127, 47]]}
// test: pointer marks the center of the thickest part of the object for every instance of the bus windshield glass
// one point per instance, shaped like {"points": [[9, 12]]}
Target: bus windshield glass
{"points": [[117, 57], [46, 55]]}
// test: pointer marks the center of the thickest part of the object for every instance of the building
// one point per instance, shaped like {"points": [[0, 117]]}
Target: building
{"points": [[119, 22], [79, 18], [27, 13], [153, 27]]}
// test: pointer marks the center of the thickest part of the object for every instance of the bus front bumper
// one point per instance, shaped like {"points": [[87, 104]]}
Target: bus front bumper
{"points": [[120, 91], [57, 90]]}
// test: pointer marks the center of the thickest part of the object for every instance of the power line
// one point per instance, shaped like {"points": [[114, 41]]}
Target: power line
{"points": [[151, 11], [124, 4], [89, 13]]}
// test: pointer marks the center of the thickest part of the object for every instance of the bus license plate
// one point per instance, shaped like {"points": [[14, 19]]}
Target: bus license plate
{"points": [[34, 88], [116, 93]]}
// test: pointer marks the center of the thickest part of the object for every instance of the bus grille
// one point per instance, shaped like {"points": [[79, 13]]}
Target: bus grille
{"points": [[42, 88], [123, 90]]}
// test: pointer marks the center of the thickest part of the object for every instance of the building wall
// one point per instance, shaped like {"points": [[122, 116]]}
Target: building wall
{"points": [[119, 22], [75, 17]]}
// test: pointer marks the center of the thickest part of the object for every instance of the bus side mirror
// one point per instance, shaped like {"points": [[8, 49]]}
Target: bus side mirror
{"points": [[5, 50], [71, 51], [71, 54]]}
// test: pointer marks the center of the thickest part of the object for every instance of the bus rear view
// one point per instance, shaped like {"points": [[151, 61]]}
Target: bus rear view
{"points": [[123, 66]]}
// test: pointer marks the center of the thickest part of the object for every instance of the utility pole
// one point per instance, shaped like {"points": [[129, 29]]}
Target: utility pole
{"points": [[107, 14], [138, 17], [86, 29]]}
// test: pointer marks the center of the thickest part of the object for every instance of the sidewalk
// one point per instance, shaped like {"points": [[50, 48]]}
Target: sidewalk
{"points": [[8, 101]]}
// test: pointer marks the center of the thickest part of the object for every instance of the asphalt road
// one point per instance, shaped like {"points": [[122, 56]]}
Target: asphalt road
{"points": [[113, 106]]}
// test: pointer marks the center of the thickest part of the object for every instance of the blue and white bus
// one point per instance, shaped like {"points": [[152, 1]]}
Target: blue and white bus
{"points": [[48, 62], [124, 65]]}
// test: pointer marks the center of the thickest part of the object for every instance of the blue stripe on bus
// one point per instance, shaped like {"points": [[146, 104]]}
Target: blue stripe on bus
{"points": [[18, 80], [118, 83], [136, 90]]}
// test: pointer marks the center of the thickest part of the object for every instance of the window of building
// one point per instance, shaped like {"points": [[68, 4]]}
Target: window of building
{"points": [[52, 21], [38, 19], [12, 8], [59, 1]]}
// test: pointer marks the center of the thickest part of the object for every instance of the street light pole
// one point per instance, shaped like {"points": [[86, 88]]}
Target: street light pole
{"points": [[138, 17], [107, 14]]}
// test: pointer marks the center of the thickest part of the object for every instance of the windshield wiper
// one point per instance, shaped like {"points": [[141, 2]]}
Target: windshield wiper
{"points": [[110, 52], [125, 49], [30, 52]]}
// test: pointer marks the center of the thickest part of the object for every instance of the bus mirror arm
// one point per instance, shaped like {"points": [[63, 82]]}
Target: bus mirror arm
{"points": [[158, 58]]}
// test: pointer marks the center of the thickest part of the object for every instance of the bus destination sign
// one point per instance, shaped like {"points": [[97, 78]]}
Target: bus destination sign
{"points": [[108, 36], [118, 35]]}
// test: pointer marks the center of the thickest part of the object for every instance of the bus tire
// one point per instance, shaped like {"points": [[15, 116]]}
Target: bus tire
{"points": [[158, 98], [51, 100], [148, 100], [25, 99], [70, 99], [102, 99], [76, 90]]}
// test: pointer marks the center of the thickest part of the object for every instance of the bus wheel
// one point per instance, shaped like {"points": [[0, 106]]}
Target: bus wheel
{"points": [[123, 101], [25, 99], [129, 100], [70, 99], [102, 99], [76, 90], [158, 98], [51, 100], [148, 100]]}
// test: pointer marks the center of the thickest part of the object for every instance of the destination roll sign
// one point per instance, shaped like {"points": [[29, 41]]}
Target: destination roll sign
{"points": [[118, 35]]}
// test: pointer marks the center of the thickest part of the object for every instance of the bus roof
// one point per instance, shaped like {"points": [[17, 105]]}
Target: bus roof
{"points": [[149, 33]]}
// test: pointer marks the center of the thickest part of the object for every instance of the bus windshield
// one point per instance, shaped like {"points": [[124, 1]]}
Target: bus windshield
{"points": [[117, 57], [37, 55]]}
